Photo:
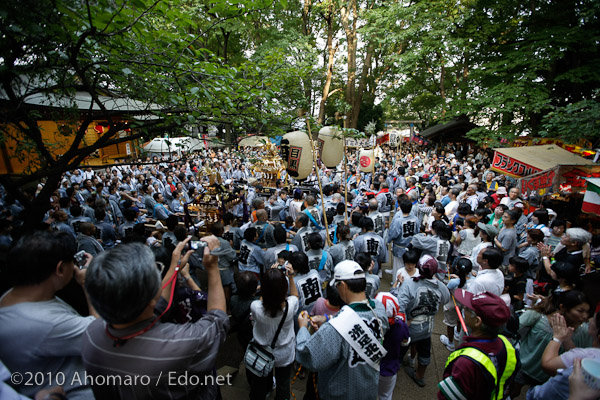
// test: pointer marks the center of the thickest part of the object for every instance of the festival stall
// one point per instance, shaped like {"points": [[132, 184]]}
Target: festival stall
{"points": [[545, 170], [519, 162], [561, 178]]}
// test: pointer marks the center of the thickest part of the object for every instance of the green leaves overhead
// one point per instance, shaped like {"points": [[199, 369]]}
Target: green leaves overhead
{"points": [[508, 65], [251, 64]]}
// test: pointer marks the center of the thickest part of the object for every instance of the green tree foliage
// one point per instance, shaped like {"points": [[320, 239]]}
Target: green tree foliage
{"points": [[505, 64], [147, 53]]}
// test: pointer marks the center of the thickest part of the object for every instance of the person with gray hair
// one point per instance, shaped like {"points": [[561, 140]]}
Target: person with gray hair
{"points": [[125, 287], [412, 192], [570, 250], [377, 217]]}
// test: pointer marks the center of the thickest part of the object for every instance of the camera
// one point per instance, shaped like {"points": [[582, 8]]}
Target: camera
{"points": [[80, 259], [283, 267]]}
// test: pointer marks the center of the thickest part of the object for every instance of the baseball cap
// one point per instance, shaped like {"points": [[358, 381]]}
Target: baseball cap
{"points": [[490, 308], [491, 230], [345, 270], [501, 190]]}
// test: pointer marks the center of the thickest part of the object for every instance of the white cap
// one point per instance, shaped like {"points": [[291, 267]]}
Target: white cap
{"points": [[345, 270]]}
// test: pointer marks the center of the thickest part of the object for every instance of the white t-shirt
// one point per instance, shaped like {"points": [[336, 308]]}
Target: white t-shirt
{"points": [[451, 209], [476, 250], [265, 328], [405, 276], [488, 280], [295, 207]]}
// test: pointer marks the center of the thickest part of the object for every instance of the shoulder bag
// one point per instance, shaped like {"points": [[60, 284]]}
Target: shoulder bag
{"points": [[260, 359]]}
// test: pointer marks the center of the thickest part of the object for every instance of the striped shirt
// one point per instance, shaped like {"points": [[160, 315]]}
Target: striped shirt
{"points": [[168, 354]]}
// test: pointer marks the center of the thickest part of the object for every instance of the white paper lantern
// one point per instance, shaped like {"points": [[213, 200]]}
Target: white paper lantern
{"points": [[296, 154], [366, 160], [331, 146]]}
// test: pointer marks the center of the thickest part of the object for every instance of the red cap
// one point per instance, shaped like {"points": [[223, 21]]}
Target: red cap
{"points": [[490, 308]]}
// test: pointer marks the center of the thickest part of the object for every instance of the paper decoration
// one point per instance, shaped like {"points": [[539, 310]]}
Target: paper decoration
{"points": [[296, 154], [331, 146]]}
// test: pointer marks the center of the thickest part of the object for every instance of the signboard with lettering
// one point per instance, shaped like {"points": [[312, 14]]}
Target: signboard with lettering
{"points": [[537, 183], [571, 176], [512, 167]]}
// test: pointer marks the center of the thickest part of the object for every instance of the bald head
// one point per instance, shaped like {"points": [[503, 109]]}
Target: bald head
{"points": [[261, 215], [373, 205]]}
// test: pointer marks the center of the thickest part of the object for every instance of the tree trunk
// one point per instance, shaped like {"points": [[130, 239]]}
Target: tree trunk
{"points": [[306, 31], [331, 50], [361, 86], [351, 40], [34, 210], [442, 84], [228, 134], [306, 17], [225, 44]]}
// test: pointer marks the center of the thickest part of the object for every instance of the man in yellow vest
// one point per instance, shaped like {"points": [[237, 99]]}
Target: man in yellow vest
{"points": [[485, 365]]}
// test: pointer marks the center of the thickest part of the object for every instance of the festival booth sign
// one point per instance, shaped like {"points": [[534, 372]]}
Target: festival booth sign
{"points": [[571, 178], [384, 138], [519, 162], [354, 142]]}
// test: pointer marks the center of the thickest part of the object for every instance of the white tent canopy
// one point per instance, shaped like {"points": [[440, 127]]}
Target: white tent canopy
{"points": [[254, 141], [173, 145]]}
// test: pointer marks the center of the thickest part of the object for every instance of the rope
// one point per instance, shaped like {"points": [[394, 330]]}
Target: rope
{"points": [[296, 377], [294, 380]]}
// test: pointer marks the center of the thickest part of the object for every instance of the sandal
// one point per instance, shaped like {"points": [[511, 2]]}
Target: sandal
{"points": [[413, 374]]}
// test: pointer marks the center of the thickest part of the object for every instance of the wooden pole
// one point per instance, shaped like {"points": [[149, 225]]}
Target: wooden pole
{"points": [[314, 153], [345, 183], [373, 174]]}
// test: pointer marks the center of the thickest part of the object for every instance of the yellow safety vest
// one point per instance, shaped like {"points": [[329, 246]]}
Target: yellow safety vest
{"points": [[480, 357]]}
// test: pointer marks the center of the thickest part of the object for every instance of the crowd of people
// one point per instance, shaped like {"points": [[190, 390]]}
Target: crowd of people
{"points": [[339, 286]]}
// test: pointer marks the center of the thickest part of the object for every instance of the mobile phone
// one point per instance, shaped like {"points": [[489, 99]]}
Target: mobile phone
{"points": [[80, 259], [197, 244]]}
